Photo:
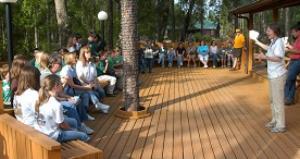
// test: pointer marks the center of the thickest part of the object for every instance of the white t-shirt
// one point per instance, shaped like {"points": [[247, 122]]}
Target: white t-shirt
{"points": [[49, 117], [276, 69], [68, 71], [24, 106], [213, 49], [86, 72]]}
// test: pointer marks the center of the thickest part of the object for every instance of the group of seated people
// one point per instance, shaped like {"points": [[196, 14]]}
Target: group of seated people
{"points": [[54, 92], [219, 53]]}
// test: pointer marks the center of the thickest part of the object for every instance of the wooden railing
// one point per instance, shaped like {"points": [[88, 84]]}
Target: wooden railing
{"points": [[19, 141]]}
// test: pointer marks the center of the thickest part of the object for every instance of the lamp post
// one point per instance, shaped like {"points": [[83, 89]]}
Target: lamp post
{"points": [[9, 33], [102, 16], [9, 28]]}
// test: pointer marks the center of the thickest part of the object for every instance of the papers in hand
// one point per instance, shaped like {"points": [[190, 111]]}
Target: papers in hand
{"points": [[253, 34], [285, 40]]}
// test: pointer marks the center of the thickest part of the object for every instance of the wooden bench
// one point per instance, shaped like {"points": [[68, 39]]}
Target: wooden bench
{"points": [[19, 141]]}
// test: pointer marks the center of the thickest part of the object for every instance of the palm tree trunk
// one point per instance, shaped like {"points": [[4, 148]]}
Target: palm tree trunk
{"points": [[129, 49]]}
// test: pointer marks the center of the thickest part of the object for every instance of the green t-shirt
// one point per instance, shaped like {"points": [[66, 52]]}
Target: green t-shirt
{"points": [[93, 47], [112, 61], [6, 92], [100, 67]]}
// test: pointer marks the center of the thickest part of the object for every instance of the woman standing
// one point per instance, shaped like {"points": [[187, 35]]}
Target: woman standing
{"points": [[277, 76]]}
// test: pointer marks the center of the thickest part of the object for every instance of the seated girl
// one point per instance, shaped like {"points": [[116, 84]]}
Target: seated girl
{"points": [[72, 85], [87, 75], [26, 95], [50, 119], [6, 91]]}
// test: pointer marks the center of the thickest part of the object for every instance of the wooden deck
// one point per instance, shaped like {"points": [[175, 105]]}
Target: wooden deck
{"points": [[198, 113]]}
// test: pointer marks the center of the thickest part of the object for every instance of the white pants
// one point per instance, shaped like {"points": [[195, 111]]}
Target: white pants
{"points": [[276, 90], [203, 58], [112, 82]]}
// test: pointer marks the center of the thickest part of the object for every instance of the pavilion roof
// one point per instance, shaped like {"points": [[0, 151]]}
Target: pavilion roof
{"points": [[263, 5]]}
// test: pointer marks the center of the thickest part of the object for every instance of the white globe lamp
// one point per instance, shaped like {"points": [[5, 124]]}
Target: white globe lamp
{"points": [[102, 15]]}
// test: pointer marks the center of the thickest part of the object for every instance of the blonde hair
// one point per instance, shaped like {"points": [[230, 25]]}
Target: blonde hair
{"points": [[44, 60], [69, 58], [18, 63], [4, 70], [48, 83]]}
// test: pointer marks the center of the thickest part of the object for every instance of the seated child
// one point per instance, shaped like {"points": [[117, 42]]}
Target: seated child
{"points": [[26, 95], [6, 91], [50, 119]]}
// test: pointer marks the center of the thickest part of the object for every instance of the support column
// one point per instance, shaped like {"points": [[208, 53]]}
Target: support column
{"points": [[250, 49], [275, 15]]}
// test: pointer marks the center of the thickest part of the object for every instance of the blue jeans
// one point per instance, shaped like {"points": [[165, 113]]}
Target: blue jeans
{"points": [[71, 111], [161, 59], [215, 58], [149, 63], [71, 122], [290, 85], [170, 59], [142, 65], [69, 135], [83, 105], [179, 60]]}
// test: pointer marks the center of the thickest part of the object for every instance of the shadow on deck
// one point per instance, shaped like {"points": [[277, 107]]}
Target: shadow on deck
{"points": [[198, 113]]}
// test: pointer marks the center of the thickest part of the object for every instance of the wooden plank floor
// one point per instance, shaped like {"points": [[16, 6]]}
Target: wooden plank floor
{"points": [[198, 113]]}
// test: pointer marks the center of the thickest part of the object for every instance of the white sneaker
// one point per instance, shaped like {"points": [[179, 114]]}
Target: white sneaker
{"points": [[102, 107], [90, 117], [86, 129]]}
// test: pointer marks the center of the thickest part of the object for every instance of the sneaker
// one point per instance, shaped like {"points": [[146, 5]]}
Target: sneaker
{"points": [[86, 129], [102, 107], [90, 117], [278, 130], [270, 125], [289, 102]]}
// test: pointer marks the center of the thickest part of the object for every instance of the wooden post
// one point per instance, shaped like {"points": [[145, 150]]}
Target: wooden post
{"points": [[236, 21], [250, 49], [275, 15]]}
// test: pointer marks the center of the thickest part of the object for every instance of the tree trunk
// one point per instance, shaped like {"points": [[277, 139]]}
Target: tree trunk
{"points": [[36, 36], [129, 48], [187, 20], [173, 21], [202, 17], [62, 21], [48, 15], [110, 24], [287, 21]]}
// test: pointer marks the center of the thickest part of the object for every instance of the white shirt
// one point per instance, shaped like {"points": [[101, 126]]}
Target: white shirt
{"points": [[24, 106], [86, 73], [213, 49], [68, 72], [49, 117], [276, 69]]}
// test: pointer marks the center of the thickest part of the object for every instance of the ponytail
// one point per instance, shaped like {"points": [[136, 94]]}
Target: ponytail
{"points": [[47, 85]]}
